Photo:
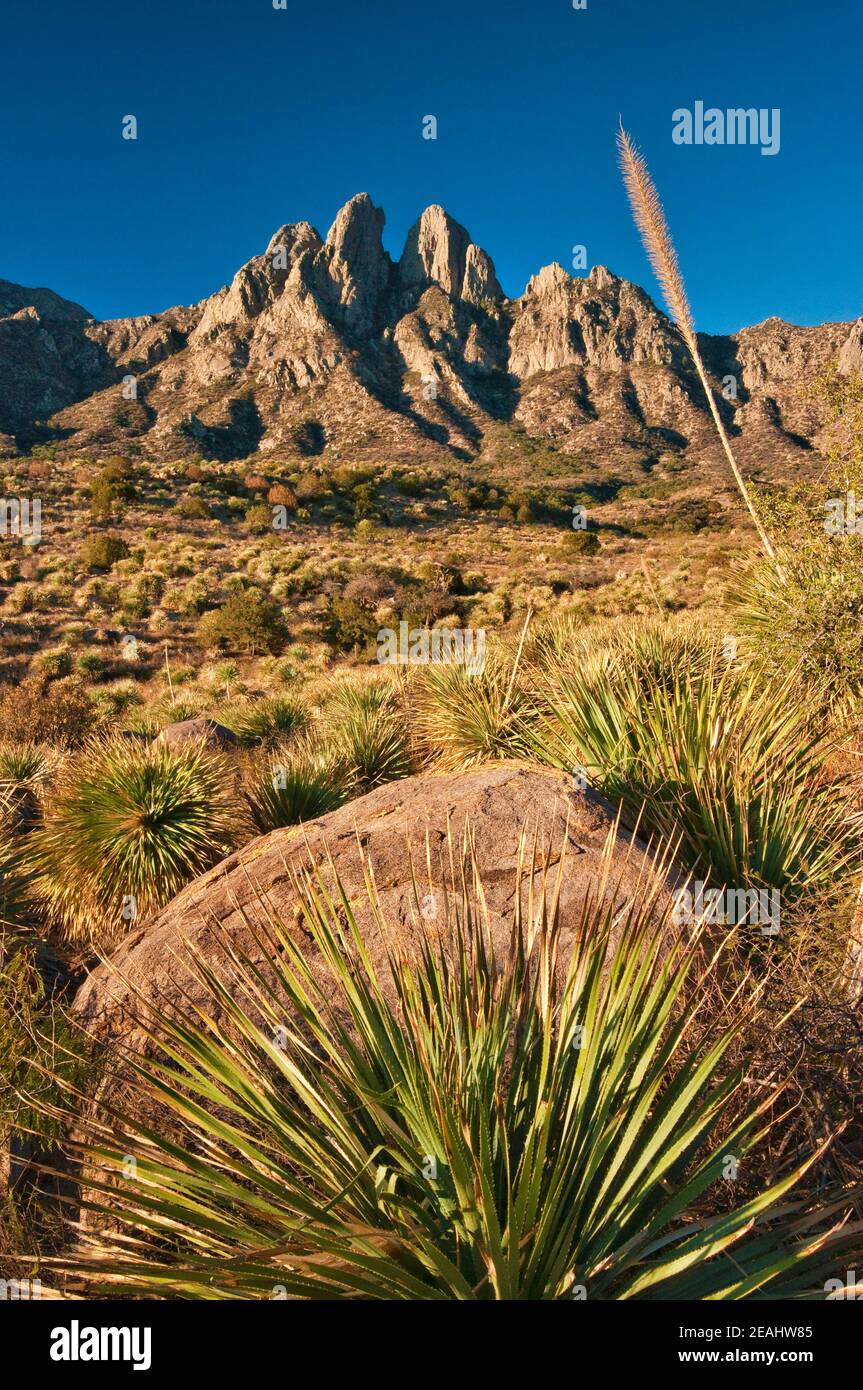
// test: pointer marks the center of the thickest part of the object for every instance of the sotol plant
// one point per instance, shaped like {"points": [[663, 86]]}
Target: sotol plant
{"points": [[366, 728], [463, 718], [720, 759], [457, 1125], [129, 826], [294, 784]]}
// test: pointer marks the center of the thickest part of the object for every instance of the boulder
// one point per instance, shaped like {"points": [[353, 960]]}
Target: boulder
{"points": [[193, 730], [505, 806]]}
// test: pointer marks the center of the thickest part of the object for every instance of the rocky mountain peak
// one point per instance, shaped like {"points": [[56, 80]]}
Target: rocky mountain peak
{"points": [[851, 352], [290, 242], [353, 267], [439, 251], [380, 355], [601, 278], [46, 304], [549, 278]]}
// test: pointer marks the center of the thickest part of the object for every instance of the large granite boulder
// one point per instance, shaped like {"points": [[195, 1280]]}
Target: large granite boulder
{"points": [[504, 806]]}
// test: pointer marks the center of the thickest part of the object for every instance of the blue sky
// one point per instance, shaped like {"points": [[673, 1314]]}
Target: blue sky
{"points": [[250, 117]]}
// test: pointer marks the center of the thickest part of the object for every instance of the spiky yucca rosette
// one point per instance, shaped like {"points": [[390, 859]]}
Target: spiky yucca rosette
{"points": [[128, 826]]}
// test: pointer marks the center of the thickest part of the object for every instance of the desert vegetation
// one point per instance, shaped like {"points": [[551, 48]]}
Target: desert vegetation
{"points": [[748, 778], [189, 663]]}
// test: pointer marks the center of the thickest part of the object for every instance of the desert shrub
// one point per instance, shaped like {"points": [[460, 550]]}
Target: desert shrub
{"points": [[117, 699], [91, 665], [412, 484], [281, 496], [40, 711], [580, 542], [694, 514], [455, 1132], [25, 770], [256, 482], [43, 1054], [715, 755], [193, 509], [118, 470], [349, 625], [127, 828], [366, 727], [247, 621], [806, 611], [462, 717], [310, 488], [269, 720], [53, 664], [811, 615], [294, 784], [111, 490], [259, 518], [103, 551], [363, 500]]}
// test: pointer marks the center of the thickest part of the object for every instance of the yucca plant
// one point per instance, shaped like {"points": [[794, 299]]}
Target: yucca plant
{"points": [[268, 721], [462, 718], [25, 769], [365, 726], [459, 1123], [129, 826], [13, 879], [295, 783], [716, 757]]}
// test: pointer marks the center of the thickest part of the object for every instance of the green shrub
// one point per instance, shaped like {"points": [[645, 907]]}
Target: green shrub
{"points": [[366, 727], [349, 625], [193, 509], [247, 621], [580, 542], [462, 718], [806, 613], [102, 552], [809, 617], [259, 518], [53, 664], [711, 754], [110, 491], [269, 720]]}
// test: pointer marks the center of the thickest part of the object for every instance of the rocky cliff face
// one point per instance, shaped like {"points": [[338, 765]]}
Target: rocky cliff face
{"points": [[330, 344]]}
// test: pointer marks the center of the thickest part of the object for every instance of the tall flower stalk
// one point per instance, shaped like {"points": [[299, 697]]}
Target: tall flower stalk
{"points": [[650, 220]]}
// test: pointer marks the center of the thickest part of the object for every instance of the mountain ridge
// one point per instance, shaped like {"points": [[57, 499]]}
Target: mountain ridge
{"points": [[328, 343]]}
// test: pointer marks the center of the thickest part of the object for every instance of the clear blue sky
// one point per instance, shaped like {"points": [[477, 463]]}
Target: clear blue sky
{"points": [[250, 117]]}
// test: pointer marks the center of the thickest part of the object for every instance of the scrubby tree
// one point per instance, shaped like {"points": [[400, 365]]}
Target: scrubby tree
{"points": [[103, 551], [247, 621]]}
